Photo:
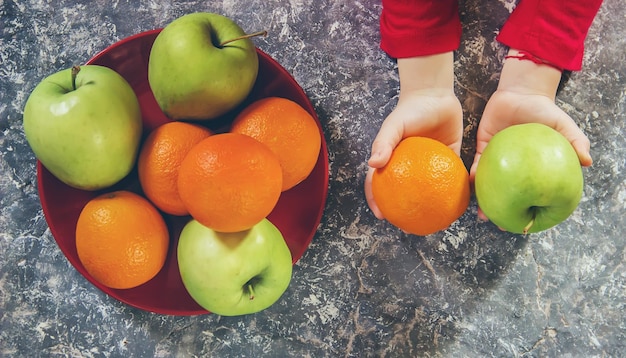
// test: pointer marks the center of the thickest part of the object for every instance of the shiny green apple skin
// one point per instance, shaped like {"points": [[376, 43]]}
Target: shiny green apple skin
{"points": [[191, 76], [87, 137], [219, 269], [528, 178]]}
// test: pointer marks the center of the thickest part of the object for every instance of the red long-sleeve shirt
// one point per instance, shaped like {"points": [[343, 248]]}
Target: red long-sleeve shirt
{"points": [[553, 30]]}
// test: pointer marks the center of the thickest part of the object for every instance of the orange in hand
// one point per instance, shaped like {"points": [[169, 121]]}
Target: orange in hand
{"points": [[160, 157], [423, 188], [288, 130], [229, 182], [121, 239]]}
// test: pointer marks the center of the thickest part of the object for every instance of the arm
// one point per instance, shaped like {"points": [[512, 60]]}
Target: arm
{"points": [[422, 35], [526, 94], [552, 34], [552, 30], [427, 106]]}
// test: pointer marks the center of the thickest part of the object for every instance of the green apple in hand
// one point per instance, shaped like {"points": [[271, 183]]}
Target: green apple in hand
{"points": [[234, 274], [201, 66], [84, 125], [528, 178]]}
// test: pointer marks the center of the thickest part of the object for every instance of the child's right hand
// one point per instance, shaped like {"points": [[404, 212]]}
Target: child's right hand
{"points": [[427, 107], [435, 114]]}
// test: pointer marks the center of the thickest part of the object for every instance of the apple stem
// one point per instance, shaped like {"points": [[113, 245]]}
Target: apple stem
{"points": [[530, 224], [250, 291], [75, 70], [246, 36]]}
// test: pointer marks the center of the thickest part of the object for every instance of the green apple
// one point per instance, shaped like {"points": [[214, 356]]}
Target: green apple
{"points": [[84, 125], [194, 74], [528, 178], [234, 274]]}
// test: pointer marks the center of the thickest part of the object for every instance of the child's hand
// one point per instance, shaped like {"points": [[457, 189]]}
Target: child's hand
{"points": [[427, 107], [420, 113], [526, 94], [434, 115]]}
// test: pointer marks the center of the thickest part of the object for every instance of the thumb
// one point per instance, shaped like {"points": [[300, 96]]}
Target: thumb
{"points": [[483, 136], [578, 139], [581, 146], [388, 137]]}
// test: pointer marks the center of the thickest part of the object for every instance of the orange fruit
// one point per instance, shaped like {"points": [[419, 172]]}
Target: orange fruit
{"points": [[288, 130], [423, 188], [121, 239], [159, 159], [229, 182]]}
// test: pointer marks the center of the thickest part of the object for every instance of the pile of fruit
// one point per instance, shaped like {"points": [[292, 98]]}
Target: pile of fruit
{"points": [[232, 259]]}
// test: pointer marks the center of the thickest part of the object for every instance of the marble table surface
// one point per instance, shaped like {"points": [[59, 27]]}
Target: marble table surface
{"points": [[363, 288]]}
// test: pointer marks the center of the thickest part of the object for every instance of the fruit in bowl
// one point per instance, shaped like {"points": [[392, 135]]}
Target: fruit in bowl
{"points": [[201, 66], [230, 181], [288, 130], [121, 239], [237, 273], [161, 155], [84, 125], [296, 215]]}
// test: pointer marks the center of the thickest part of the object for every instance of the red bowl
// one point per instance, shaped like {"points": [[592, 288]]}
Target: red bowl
{"points": [[297, 214]]}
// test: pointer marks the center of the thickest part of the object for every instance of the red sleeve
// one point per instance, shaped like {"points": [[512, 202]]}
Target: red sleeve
{"points": [[553, 30], [410, 28]]}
